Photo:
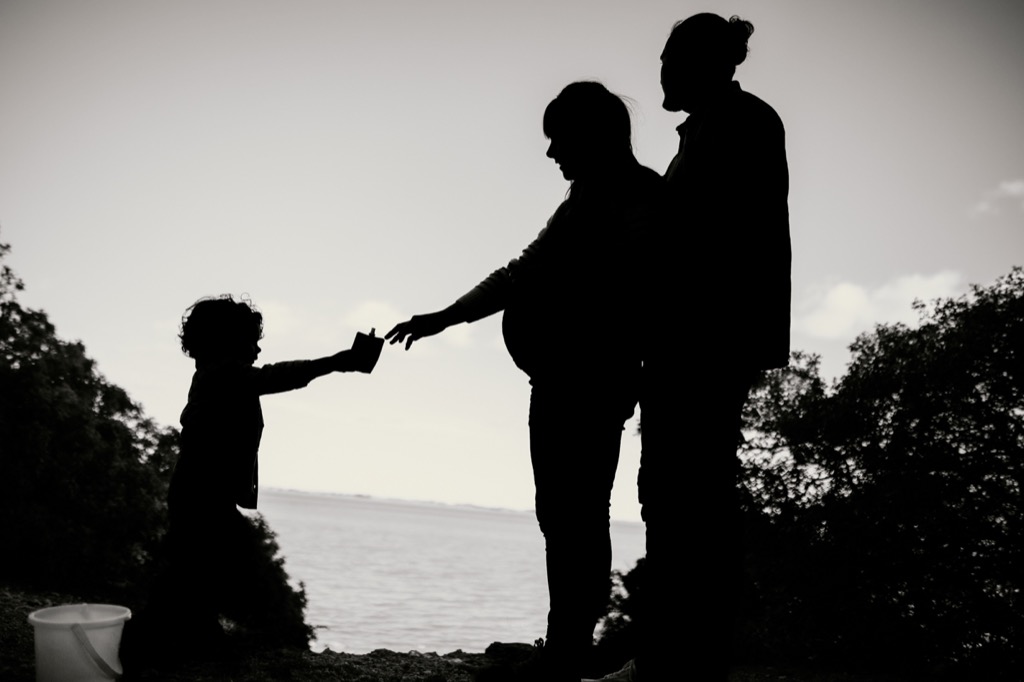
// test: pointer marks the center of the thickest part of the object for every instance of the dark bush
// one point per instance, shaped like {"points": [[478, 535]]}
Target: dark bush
{"points": [[84, 475], [885, 513], [277, 614], [889, 509], [617, 642]]}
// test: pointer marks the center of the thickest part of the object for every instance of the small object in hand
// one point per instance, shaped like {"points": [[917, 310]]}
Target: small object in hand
{"points": [[368, 347]]}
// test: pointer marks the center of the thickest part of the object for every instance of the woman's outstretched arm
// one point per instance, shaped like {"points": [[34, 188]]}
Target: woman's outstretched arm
{"points": [[483, 300], [420, 326]]}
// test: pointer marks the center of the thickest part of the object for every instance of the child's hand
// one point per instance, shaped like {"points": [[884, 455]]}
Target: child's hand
{"points": [[365, 351]]}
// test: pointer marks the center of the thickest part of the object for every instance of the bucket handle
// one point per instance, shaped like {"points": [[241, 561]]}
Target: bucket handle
{"points": [[93, 654]]}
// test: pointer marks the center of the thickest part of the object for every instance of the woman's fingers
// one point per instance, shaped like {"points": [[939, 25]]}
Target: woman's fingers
{"points": [[403, 331], [398, 332], [417, 327]]}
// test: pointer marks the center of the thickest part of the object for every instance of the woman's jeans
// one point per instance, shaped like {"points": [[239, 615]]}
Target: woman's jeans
{"points": [[574, 446]]}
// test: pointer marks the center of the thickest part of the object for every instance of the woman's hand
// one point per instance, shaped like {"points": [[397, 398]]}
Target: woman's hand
{"points": [[420, 326]]}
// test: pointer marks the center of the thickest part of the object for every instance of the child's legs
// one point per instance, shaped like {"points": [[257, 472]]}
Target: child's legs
{"points": [[199, 563]]}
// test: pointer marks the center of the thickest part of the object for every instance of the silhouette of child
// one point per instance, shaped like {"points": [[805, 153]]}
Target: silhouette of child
{"points": [[214, 562]]}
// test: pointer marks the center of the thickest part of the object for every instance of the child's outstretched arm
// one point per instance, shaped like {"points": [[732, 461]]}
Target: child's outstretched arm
{"points": [[361, 357], [285, 376]]}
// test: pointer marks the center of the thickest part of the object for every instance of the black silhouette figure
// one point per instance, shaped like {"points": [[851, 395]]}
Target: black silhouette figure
{"points": [[571, 322], [210, 553], [722, 270]]}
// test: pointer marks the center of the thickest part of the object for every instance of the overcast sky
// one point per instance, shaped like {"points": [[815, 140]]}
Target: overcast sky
{"points": [[348, 164]]}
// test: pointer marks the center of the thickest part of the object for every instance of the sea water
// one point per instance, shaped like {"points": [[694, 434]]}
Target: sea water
{"points": [[416, 576]]}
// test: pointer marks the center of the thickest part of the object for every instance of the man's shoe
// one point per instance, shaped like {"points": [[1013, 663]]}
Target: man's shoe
{"points": [[542, 664], [627, 674]]}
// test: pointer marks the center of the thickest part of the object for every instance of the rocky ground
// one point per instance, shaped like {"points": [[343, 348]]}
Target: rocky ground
{"points": [[17, 659]]}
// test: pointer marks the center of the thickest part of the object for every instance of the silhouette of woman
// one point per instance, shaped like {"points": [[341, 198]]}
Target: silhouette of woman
{"points": [[581, 273]]}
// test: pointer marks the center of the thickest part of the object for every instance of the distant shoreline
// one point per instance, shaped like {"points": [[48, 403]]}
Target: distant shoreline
{"points": [[270, 490]]}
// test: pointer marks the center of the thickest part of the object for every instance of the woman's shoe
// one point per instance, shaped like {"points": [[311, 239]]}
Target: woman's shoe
{"points": [[627, 674]]}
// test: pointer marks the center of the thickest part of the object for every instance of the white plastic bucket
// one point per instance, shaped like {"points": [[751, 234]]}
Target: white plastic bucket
{"points": [[78, 642]]}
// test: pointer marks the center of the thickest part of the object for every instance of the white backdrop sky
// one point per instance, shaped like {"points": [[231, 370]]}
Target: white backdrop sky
{"points": [[348, 164]]}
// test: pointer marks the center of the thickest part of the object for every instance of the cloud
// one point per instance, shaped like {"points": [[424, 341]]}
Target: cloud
{"points": [[297, 331], [372, 314], [846, 309], [1008, 191], [284, 320], [303, 329], [460, 336]]}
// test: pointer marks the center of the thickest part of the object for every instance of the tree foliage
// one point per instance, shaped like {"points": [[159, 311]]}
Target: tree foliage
{"points": [[84, 473], [885, 515]]}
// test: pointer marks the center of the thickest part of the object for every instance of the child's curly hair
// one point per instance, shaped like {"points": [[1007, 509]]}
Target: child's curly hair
{"points": [[215, 324]]}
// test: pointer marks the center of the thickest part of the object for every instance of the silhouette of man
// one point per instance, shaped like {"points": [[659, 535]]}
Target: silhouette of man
{"points": [[722, 270]]}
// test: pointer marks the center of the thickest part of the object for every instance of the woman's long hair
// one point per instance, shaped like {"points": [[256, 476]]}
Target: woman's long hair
{"points": [[588, 111]]}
